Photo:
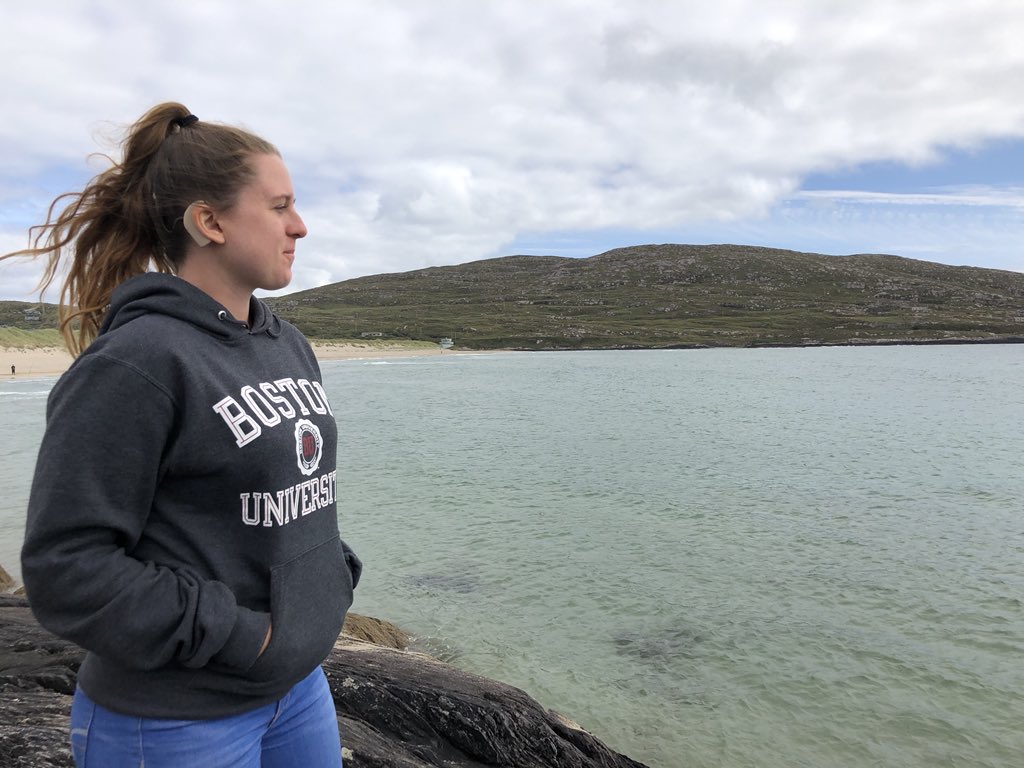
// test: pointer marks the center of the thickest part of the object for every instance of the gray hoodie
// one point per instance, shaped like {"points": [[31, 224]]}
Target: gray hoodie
{"points": [[184, 498]]}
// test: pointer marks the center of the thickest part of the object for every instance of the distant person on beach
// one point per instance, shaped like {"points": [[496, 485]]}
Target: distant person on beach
{"points": [[182, 524], [12, 371]]}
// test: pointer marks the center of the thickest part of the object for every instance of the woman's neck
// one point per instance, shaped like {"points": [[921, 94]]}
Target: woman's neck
{"points": [[234, 299]]}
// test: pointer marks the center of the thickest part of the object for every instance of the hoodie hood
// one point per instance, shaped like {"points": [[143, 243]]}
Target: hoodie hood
{"points": [[163, 294]]}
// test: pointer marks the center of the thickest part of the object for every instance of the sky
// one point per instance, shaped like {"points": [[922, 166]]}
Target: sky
{"points": [[434, 133]]}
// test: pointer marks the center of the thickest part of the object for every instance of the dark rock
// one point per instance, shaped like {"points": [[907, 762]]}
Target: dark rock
{"points": [[432, 714], [34, 729], [460, 583], [396, 709], [659, 645], [37, 678]]}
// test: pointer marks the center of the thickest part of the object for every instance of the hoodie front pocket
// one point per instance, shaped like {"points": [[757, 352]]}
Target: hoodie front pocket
{"points": [[309, 596]]}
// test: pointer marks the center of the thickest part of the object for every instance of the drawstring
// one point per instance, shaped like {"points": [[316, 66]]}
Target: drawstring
{"points": [[274, 329]]}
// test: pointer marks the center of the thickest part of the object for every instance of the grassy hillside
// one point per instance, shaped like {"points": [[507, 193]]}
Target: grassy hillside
{"points": [[671, 295], [27, 315], [39, 338], [652, 296]]}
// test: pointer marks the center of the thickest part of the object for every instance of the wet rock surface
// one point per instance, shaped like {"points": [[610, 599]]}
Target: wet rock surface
{"points": [[396, 709], [37, 678]]}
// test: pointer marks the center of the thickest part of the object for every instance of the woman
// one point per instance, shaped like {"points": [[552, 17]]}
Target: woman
{"points": [[182, 525]]}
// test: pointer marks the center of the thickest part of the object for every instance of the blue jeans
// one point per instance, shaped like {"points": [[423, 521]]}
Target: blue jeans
{"points": [[298, 731]]}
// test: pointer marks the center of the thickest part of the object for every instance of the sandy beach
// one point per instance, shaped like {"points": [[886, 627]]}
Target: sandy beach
{"points": [[52, 361], [43, 361], [358, 351]]}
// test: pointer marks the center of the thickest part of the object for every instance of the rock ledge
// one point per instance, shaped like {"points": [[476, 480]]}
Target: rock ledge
{"points": [[396, 709]]}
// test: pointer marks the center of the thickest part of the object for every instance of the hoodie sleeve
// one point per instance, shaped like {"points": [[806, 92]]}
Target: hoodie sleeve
{"points": [[99, 464]]}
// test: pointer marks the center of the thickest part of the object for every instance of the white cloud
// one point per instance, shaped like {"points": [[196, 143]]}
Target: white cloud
{"points": [[19, 278], [432, 133]]}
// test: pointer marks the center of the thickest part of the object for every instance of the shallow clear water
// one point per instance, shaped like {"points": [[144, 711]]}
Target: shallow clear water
{"points": [[801, 557]]}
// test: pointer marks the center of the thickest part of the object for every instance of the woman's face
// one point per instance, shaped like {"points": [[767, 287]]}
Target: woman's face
{"points": [[260, 230]]}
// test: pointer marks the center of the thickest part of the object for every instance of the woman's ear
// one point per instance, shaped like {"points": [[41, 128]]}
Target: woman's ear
{"points": [[201, 223]]}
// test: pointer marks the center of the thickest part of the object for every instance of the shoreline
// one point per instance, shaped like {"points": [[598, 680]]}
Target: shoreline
{"points": [[53, 361], [31, 362]]}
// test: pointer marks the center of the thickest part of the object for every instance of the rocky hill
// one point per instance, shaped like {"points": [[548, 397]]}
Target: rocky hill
{"points": [[652, 296], [671, 296]]}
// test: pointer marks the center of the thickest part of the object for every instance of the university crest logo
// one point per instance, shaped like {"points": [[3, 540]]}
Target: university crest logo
{"points": [[309, 446]]}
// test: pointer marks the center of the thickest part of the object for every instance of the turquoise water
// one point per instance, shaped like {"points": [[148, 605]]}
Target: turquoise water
{"points": [[799, 557]]}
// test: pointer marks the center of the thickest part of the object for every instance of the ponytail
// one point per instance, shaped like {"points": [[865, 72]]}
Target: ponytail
{"points": [[129, 219]]}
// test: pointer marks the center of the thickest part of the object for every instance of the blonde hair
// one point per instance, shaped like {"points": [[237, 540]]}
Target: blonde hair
{"points": [[128, 219]]}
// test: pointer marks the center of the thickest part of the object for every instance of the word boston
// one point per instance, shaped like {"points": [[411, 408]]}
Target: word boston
{"points": [[269, 402]]}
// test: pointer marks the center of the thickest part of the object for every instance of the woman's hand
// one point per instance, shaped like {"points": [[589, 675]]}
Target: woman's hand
{"points": [[266, 640]]}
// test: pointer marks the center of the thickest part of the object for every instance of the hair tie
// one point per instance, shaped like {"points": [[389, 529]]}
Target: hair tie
{"points": [[184, 122]]}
